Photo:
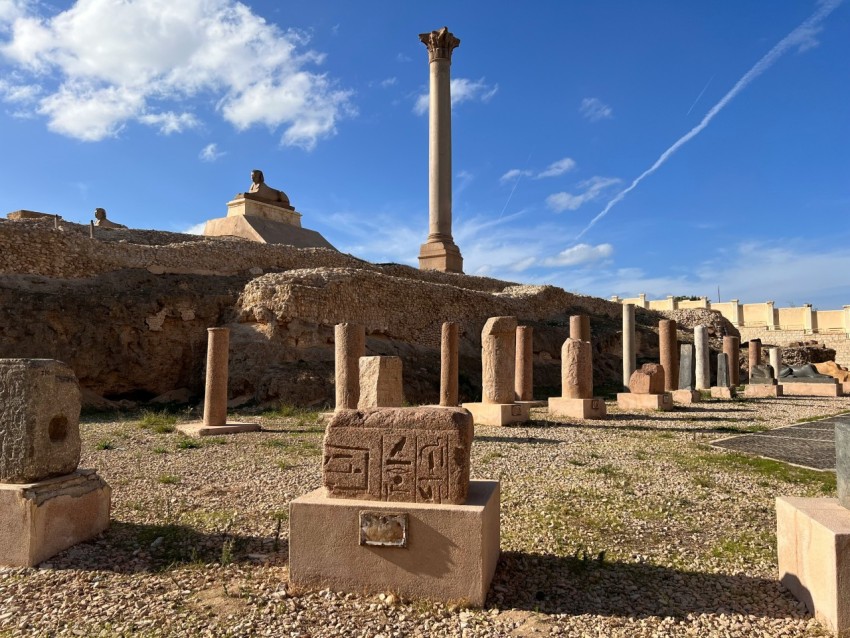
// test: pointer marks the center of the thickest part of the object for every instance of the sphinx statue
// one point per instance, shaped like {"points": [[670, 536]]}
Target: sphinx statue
{"points": [[762, 373], [806, 373], [102, 222], [259, 191]]}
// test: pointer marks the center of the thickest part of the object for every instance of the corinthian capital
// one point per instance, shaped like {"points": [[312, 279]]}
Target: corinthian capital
{"points": [[440, 44]]}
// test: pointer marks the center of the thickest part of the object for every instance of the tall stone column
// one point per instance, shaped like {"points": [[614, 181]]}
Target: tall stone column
{"points": [[524, 382], [580, 327], [629, 352], [732, 347], [668, 353], [439, 252], [498, 358], [349, 346], [576, 369], [215, 396], [754, 355], [703, 367], [448, 365], [775, 355]]}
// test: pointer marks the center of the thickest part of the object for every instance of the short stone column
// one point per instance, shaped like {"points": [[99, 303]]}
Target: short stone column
{"points": [[685, 393], [576, 400], [449, 365], [754, 355], [732, 347], [646, 390], [629, 351], [580, 327], [440, 252], [775, 355], [215, 395], [668, 353], [349, 346], [703, 365], [498, 366], [524, 367]]}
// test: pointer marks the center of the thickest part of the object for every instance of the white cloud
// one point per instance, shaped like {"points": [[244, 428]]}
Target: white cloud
{"points": [[513, 174], [558, 168], [103, 64], [580, 254], [197, 229], [210, 153], [592, 188], [462, 90], [389, 82], [594, 109]]}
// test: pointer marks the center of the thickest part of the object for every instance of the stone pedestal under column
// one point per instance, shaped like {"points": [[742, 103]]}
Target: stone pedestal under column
{"points": [[721, 392], [39, 520], [439, 552], [813, 546], [577, 408], [632, 401], [762, 390], [811, 389], [685, 396]]}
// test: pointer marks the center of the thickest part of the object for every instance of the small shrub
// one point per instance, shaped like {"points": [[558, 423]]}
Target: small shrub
{"points": [[105, 444], [168, 479], [159, 422], [189, 444]]}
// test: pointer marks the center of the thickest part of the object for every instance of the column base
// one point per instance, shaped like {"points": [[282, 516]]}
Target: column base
{"points": [[722, 392], [498, 413], [197, 428], [440, 255], [577, 408], [686, 396], [813, 546], [812, 389], [39, 520], [762, 391], [533, 404], [448, 552], [632, 401]]}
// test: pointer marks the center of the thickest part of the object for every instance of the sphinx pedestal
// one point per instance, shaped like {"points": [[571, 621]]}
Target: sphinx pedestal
{"points": [[813, 545], [577, 408], [811, 389], [39, 520], [420, 550], [762, 390]]}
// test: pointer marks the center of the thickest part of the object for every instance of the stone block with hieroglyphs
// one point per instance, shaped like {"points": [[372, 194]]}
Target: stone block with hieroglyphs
{"points": [[39, 420], [416, 455]]}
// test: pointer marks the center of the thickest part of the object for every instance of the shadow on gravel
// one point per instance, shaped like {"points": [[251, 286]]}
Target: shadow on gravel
{"points": [[532, 440], [133, 548], [568, 585]]}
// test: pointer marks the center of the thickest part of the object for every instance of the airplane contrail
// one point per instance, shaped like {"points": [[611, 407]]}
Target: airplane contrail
{"points": [[700, 94], [797, 36]]}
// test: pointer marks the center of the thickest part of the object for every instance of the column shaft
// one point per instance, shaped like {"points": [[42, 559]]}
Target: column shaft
{"points": [[215, 396], [524, 382], [349, 346], [449, 364], [629, 352]]}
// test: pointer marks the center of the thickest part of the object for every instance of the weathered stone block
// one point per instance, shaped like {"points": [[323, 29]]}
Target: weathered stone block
{"points": [[687, 366], [632, 401], [380, 383], [686, 396], [576, 369], [498, 359], [842, 461], [762, 391], [725, 392], [499, 414], [648, 380], [577, 408], [39, 420], [723, 380], [399, 454]]}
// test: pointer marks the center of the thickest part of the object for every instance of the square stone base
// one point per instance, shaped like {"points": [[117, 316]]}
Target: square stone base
{"points": [[39, 520], [845, 387], [241, 207], [813, 544], [722, 392], [686, 396], [440, 255], [450, 554], [762, 390], [498, 413], [197, 428], [811, 389], [577, 408], [631, 401]]}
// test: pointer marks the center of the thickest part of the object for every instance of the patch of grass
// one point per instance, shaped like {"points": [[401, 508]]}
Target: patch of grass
{"points": [[189, 444], [304, 415], [105, 444], [159, 422], [168, 479], [704, 481], [284, 464], [576, 462], [215, 440], [641, 455], [160, 450], [296, 448], [605, 470], [809, 419], [491, 456]]}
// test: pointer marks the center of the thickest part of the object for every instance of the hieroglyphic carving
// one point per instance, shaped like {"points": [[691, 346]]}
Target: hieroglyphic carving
{"points": [[399, 454]]}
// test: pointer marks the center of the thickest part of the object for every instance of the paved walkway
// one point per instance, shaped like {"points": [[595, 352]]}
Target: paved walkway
{"points": [[809, 444]]}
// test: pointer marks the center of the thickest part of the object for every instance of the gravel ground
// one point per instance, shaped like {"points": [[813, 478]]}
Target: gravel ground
{"points": [[632, 526]]}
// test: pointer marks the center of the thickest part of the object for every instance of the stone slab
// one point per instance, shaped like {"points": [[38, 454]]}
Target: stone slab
{"points": [[577, 408], [842, 459], [198, 428], [254, 208], [723, 392], [813, 547], [648, 379], [811, 389], [631, 401], [762, 391], [451, 551], [686, 396], [265, 231], [28, 214], [39, 520], [498, 413], [399, 454]]}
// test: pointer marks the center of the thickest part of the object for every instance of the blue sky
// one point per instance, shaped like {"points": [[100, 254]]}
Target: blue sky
{"points": [[158, 110]]}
